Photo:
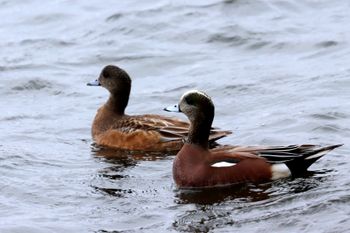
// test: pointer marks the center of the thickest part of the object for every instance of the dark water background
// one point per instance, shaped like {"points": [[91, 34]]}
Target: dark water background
{"points": [[278, 72]]}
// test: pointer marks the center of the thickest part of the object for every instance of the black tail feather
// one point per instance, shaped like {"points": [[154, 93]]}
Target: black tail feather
{"points": [[298, 158], [299, 165]]}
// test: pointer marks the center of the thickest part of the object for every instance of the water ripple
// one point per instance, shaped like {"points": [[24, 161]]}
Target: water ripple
{"points": [[277, 70], [35, 84]]}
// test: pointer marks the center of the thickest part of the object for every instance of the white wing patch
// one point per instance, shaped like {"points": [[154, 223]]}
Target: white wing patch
{"points": [[223, 164]]}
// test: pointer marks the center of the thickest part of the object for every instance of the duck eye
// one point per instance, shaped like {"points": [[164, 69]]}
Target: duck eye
{"points": [[189, 101], [106, 74]]}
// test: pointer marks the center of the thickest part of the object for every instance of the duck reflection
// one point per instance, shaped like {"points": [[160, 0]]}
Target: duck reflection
{"points": [[216, 206], [252, 192], [243, 192], [115, 155], [220, 206], [114, 177]]}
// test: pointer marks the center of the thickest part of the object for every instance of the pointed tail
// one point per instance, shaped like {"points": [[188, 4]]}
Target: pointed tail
{"points": [[299, 165]]}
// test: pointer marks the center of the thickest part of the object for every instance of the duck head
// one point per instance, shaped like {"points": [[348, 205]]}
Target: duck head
{"points": [[118, 83], [199, 109]]}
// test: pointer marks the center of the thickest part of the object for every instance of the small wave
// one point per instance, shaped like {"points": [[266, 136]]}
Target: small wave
{"points": [[222, 38], [115, 192], [176, 89], [47, 18], [114, 17], [328, 128], [21, 67], [239, 88], [100, 58], [258, 45], [323, 48], [326, 44], [237, 36], [46, 42], [22, 117], [329, 116], [34, 84], [230, 2]]}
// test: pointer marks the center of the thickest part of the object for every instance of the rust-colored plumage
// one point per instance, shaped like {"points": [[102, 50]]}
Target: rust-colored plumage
{"points": [[193, 168], [113, 128], [196, 166]]}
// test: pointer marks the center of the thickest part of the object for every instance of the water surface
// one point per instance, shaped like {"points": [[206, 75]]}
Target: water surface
{"points": [[278, 72]]}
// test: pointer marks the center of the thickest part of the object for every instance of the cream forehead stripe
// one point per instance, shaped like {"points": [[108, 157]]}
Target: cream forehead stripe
{"points": [[196, 92]]}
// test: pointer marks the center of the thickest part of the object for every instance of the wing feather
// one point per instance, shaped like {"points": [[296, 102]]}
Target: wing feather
{"points": [[168, 128]]}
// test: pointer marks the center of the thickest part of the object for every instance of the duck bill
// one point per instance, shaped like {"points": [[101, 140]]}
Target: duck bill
{"points": [[94, 83], [173, 108]]}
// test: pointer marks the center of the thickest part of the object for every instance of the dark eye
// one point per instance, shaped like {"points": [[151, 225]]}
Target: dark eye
{"points": [[105, 74], [189, 100]]}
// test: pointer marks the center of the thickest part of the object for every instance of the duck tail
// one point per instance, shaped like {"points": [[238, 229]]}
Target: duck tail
{"points": [[299, 165]]}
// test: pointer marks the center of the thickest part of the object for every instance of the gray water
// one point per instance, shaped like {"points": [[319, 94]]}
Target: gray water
{"points": [[278, 73]]}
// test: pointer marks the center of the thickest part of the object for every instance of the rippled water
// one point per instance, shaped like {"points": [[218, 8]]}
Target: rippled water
{"points": [[278, 72]]}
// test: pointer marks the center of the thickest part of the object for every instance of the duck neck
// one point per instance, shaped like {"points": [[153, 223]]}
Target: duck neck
{"points": [[199, 132], [118, 101]]}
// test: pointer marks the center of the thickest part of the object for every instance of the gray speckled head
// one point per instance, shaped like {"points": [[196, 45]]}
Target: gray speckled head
{"points": [[199, 109], [196, 105]]}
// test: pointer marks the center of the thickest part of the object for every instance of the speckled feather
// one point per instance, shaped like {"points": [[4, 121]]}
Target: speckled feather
{"points": [[142, 132]]}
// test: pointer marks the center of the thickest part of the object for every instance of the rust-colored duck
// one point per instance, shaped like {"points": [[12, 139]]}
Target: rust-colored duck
{"points": [[115, 129], [195, 166]]}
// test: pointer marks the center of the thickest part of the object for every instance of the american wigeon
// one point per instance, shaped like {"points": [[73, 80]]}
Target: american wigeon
{"points": [[113, 128], [195, 166]]}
